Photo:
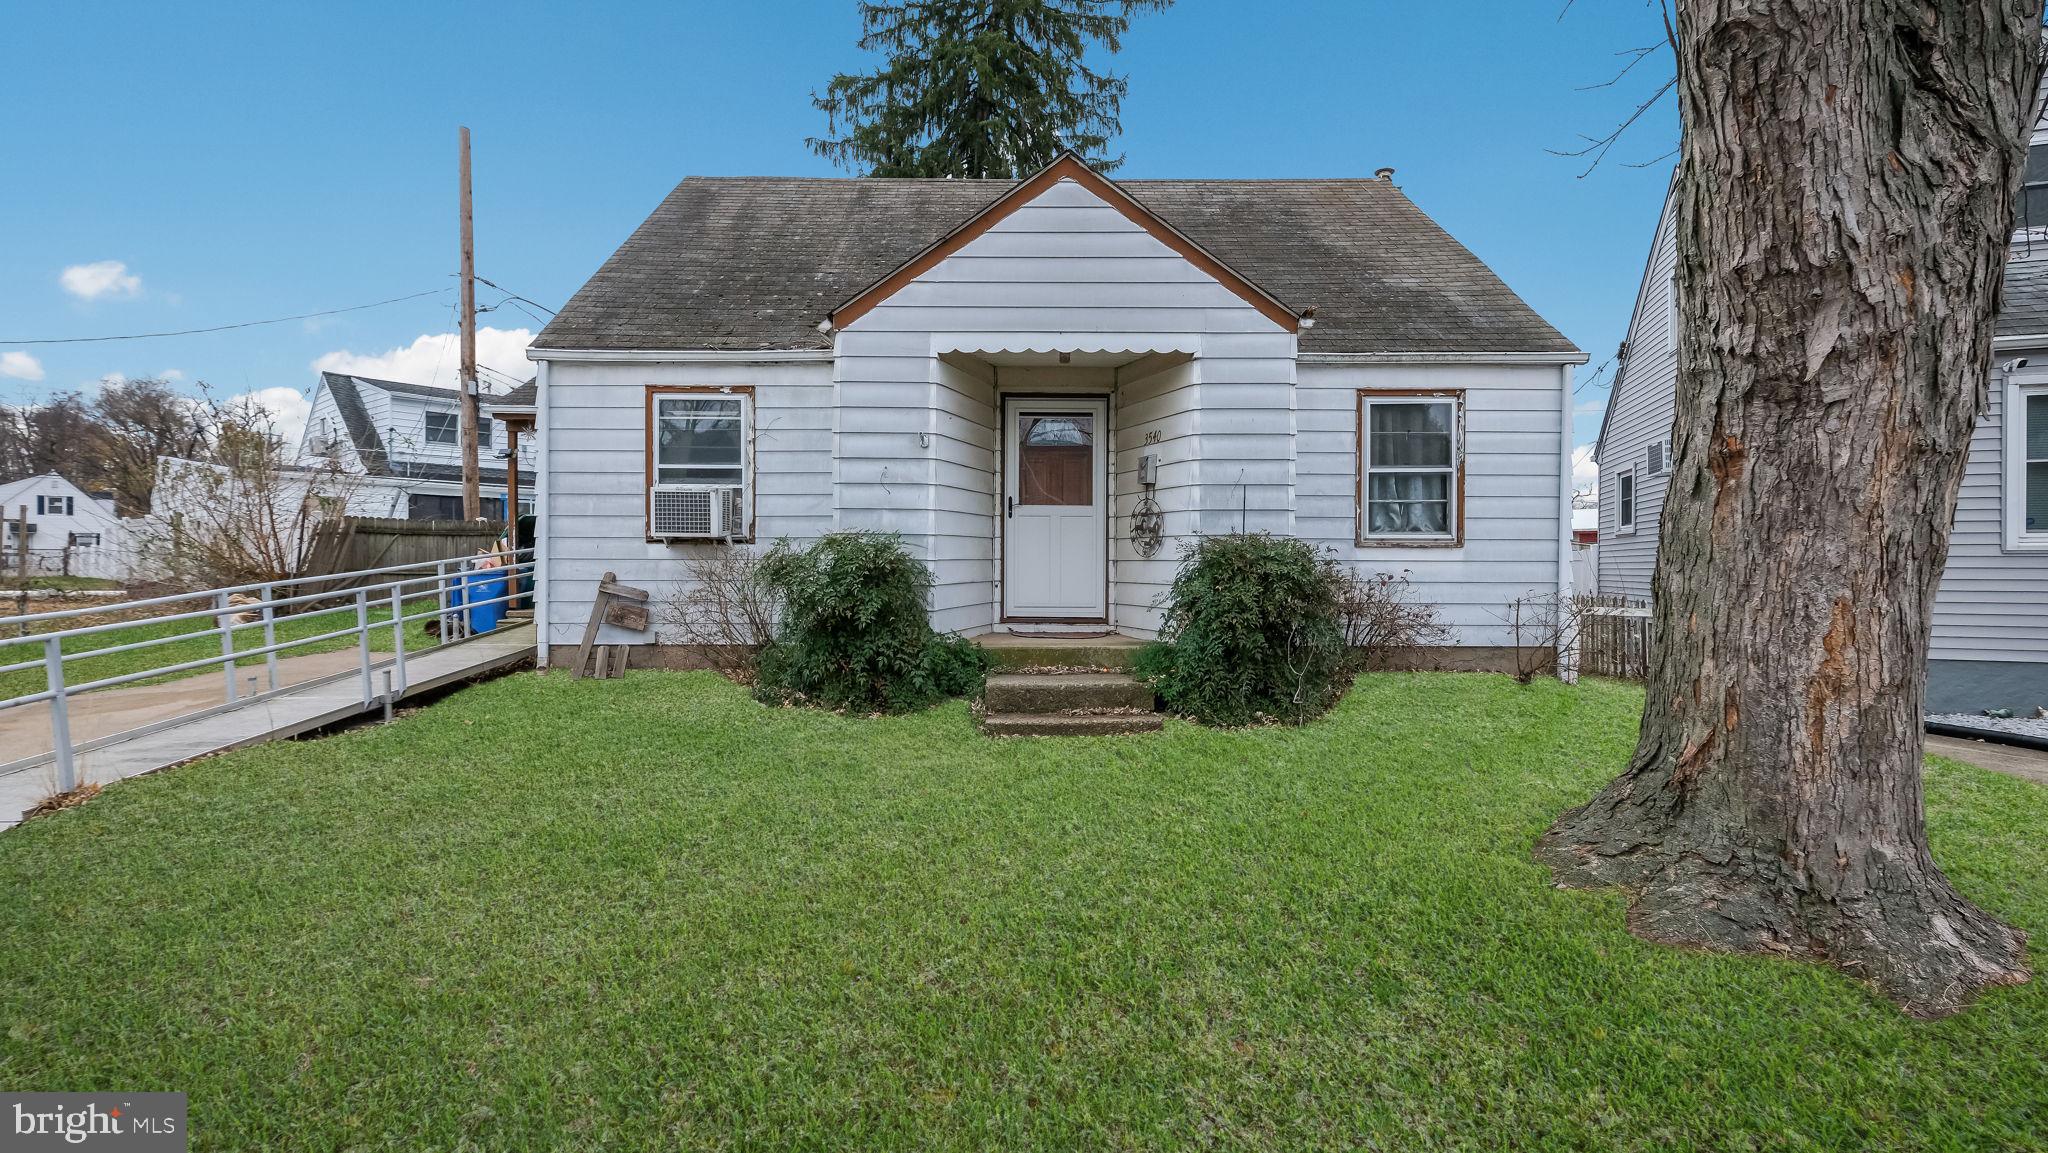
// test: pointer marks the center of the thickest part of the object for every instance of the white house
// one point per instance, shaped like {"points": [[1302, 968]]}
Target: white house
{"points": [[1990, 638], [404, 443], [69, 530], [1047, 387]]}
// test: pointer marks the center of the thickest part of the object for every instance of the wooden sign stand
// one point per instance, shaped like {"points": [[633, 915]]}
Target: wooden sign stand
{"points": [[621, 605]]}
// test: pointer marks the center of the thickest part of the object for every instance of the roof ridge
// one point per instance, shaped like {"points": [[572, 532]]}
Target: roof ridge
{"points": [[967, 181]]}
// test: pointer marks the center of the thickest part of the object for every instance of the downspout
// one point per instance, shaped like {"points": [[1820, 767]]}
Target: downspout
{"points": [[540, 514], [1568, 637]]}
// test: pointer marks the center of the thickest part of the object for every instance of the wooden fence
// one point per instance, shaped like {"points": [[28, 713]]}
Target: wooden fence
{"points": [[1615, 637], [355, 543]]}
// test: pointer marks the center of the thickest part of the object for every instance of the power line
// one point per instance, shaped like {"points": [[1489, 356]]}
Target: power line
{"points": [[511, 295], [225, 327], [502, 377]]}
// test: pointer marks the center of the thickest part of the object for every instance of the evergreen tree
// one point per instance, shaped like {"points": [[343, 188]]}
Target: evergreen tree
{"points": [[978, 88]]}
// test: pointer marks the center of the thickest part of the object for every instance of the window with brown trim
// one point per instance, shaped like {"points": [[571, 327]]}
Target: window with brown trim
{"points": [[700, 462], [1411, 469]]}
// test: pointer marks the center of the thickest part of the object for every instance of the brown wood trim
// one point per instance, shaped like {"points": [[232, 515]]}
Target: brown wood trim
{"points": [[1068, 166], [647, 451], [1358, 469]]}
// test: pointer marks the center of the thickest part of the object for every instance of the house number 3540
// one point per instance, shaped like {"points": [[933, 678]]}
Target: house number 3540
{"points": [[1152, 436]]}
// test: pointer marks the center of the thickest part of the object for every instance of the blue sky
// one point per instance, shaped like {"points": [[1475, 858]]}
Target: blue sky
{"points": [[171, 167]]}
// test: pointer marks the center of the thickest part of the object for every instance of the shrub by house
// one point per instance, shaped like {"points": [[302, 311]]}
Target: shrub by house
{"points": [[853, 631]]}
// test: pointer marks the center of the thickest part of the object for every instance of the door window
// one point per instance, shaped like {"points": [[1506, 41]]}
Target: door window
{"points": [[1055, 459]]}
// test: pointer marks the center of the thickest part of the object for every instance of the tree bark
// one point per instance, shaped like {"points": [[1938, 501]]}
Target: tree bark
{"points": [[1845, 198]]}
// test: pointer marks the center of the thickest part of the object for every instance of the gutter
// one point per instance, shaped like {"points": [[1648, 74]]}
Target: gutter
{"points": [[1988, 736], [713, 355], [1442, 358]]}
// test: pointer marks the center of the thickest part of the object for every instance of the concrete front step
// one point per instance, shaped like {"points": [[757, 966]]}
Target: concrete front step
{"points": [[1068, 724], [1010, 651], [1063, 692]]}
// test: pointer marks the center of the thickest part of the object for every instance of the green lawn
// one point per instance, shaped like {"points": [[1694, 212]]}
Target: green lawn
{"points": [[24, 681], [651, 913]]}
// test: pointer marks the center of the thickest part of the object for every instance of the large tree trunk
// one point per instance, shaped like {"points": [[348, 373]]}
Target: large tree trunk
{"points": [[1844, 204]]}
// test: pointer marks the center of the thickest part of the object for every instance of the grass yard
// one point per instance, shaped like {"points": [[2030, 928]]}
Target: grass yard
{"points": [[298, 627], [554, 914]]}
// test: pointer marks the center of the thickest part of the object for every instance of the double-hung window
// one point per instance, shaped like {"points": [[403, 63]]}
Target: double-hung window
{"points": [[2026, 465], [1625, 501], [702, 438], [53, 506], [1409, 482], [443, 428], [2033, 206]]}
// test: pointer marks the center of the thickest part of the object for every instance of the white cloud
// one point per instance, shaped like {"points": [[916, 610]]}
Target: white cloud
{"points": [[98, 279], [173, 375], [288, 409], [1585, 470], [20, 366], [436, 357]]}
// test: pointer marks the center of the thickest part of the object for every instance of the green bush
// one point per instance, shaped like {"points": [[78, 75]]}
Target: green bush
{"points": [[1253, 631], [854, 633]]}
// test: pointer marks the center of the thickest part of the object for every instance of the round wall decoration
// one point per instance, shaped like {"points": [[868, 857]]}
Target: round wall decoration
{"points": [[1148, 527]]}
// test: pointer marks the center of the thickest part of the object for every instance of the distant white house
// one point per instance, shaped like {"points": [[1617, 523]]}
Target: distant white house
{"points": [[70, 531], [403, 442]]}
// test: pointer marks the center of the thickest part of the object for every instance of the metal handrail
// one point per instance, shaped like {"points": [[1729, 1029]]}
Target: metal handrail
{"points": [[453, 611], [225, 592], [191, 614]]}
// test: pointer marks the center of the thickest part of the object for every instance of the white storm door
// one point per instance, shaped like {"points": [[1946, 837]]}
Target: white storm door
{"points": [[1055, 509]]}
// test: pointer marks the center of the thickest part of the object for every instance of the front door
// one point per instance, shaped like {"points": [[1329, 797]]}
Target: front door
{"points": [[1055, 509]]}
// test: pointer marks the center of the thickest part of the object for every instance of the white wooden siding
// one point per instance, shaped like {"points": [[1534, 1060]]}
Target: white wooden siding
{"points": [[1991, 605], [1065, 272], [1513, 453], [1642, 413], [1163, 402], [594, 499], [902, 431]]}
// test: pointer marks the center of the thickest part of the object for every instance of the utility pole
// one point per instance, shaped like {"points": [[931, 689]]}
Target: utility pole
{"points": [[472, 503]]}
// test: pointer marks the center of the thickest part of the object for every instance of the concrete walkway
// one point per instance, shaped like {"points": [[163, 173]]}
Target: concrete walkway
{"points": [[312, 704], [2027, 764]]}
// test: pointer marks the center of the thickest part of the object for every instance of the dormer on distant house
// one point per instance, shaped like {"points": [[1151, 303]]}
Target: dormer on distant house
{"points": [[407, 439]]}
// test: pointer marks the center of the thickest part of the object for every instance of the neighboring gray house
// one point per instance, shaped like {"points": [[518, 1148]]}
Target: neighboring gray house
{"points": [[403, 441], [1048, 387], [1990, 644]]}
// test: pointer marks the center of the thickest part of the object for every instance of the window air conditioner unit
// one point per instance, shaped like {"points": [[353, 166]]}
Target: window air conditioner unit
{"points": [[697, 511]]}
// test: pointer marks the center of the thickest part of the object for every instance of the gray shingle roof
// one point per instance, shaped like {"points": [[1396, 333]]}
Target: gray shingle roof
{"points": [[756, 262], [362, 431], [2023, 311], [525, 396]]}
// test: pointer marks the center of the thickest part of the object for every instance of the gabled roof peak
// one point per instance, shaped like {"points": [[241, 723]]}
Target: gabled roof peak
{"points": [[1067, 166]]}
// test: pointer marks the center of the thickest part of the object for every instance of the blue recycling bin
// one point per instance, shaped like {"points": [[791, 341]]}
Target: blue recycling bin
{"points": [[483, 585]]}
